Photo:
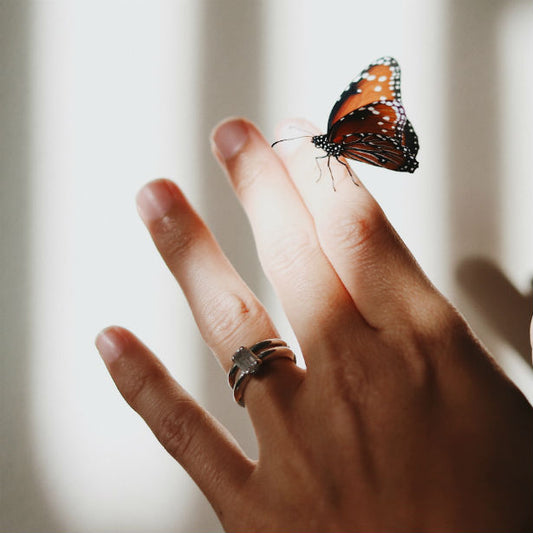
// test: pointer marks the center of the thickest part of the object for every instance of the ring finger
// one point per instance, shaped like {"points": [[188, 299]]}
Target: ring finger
{"points": [[227, 312]]}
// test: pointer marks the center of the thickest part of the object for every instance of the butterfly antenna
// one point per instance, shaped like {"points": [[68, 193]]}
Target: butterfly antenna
{"points": [[290, 139], [293, 127]]}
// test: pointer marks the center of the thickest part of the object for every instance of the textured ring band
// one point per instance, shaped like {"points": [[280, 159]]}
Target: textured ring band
{"points": [[249, 361]]}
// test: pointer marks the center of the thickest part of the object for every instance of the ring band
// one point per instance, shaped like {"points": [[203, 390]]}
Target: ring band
{"points": [[249, 361]]}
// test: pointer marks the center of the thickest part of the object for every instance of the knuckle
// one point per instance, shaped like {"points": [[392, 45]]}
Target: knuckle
{"points": [[350, 229], [352, 386], [138, 385], [227, 313], [451, 331], [429, 339], [248, 170], [177, 244], [349, 395], [177, 428], [436, 323], [349, 380], [175, 239], [289, 252], [419, 368]]}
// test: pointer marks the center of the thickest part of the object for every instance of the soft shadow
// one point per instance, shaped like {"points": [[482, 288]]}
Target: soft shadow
{"points": [[474, 158], [474, 176], [23, 505], [506, 310], [230, 85]]}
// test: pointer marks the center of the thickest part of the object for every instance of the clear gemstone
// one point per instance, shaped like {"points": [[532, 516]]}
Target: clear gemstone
{"points": [[246, 360]]}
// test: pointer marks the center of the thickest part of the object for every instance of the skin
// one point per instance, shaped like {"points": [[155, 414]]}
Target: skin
{"points": [[401, 422]]}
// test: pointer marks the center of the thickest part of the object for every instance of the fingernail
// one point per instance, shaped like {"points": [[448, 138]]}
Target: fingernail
{"points": [[110, 344], [155, 200], [229, 137]]}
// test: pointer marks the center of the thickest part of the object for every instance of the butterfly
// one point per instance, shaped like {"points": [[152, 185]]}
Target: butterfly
{"points": [[368, 122]]}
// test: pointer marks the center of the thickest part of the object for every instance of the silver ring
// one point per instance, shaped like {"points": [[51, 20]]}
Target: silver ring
{"points": [[249, 361]]}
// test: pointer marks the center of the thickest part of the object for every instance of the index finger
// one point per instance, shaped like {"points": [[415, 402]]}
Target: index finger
{"points": [[369, 257]]}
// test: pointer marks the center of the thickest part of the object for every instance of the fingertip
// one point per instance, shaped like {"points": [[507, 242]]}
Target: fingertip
{"points": [[155, 199], [225, 122], [156, 183], [229, 136], [111, 343]]}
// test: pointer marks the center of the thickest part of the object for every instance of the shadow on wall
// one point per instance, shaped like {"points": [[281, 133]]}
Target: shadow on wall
{"points": [[231, 37], [475, 178], [23, 503], [506, 310]]}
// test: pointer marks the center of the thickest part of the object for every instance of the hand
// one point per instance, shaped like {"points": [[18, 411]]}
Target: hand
{"points": [[401, 421]]}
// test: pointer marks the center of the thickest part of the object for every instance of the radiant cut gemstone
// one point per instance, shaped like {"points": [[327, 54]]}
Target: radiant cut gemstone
{"points": [[246, 360]]}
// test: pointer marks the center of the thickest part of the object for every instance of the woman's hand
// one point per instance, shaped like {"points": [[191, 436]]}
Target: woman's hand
{"points": [[401, 421]]}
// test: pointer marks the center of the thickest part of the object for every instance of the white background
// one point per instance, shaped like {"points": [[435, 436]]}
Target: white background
{"points": [[99, 97]]}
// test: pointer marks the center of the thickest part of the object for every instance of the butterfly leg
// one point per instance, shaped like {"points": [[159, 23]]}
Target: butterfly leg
{"points": [[331, 173], [349, 171], [319, 169]]}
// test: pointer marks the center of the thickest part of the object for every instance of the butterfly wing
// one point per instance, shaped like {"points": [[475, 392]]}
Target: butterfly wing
{"points": [[410, 140], [369, 120], [381, 151], [380, 81], [387, 118]]}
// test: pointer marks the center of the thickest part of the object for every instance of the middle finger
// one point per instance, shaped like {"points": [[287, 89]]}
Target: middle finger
{"points": [[306, 283]]}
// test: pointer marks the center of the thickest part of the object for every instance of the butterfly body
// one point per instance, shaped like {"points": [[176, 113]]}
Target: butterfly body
{"points": [[332, 149], [368, 122]]}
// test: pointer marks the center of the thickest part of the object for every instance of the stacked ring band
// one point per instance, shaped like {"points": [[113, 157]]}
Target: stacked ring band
{"points": [[249, 361]]}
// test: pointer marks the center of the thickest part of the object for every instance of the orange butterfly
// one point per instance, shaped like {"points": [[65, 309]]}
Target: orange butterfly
{"points": [[368, 122]]}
